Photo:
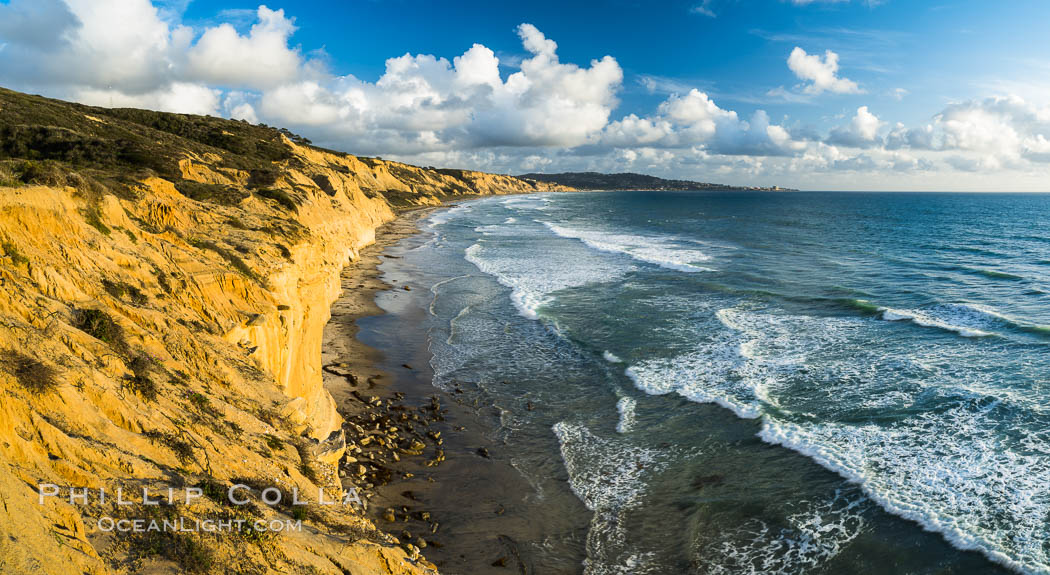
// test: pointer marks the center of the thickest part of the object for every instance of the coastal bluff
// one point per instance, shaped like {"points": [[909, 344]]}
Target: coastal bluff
{"points": [[165, 281]]}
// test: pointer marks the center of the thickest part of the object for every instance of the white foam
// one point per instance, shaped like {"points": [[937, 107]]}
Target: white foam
{"points": [[812, 536], [967, 320], [948, 472], [973, 467], [626, 406], [528, 202], [611, 357], [444, 216], [609, 477], [534, 276], [664, 252]]}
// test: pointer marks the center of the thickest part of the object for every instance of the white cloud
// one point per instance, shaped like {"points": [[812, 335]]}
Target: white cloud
{"points": [[704, 8], [426, 101], [696, 120], [821, 73], [179, 97], [862, 131], [261, 59], [477, 110], [988, 134]]}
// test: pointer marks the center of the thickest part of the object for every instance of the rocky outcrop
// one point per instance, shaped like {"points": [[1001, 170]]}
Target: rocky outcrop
{"points": [[165, 333]]}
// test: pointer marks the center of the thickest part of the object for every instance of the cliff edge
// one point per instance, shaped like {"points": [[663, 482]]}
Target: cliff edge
{"points": [[165, 283]]}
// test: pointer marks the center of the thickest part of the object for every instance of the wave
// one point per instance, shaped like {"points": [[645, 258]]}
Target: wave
{"points": [[996, 274], [609, 477], [966, 319], [971, 461], [941, 317], [664, 252], [861, 305], [625, 406], [441, 217], [810, 537], [949, 490], [532, 280], [611, 357], [528, 202]]}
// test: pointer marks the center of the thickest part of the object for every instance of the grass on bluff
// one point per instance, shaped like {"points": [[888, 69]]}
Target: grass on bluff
{"points": [[117, 147], [34, 375]]}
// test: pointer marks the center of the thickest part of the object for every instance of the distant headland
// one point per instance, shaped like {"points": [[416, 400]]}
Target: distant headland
{"points": [[641, 182]]}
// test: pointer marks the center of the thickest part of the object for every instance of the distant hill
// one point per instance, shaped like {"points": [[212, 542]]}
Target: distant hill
{"points": [[630, 181]]}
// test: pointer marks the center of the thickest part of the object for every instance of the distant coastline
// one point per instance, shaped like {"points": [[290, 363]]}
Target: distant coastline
{"points": [[630, 181]]}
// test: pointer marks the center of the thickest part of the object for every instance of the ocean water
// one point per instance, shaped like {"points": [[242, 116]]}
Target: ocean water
{"points": [[758, 382]]}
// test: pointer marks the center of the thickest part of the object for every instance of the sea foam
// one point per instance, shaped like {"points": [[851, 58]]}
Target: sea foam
{"points": [[664, 252]]}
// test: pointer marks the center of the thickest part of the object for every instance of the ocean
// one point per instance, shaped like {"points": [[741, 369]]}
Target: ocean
{"points": [[758, 382]]}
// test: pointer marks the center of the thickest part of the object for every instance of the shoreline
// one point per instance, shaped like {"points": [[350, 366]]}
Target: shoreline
{"points": [[439, 484]]}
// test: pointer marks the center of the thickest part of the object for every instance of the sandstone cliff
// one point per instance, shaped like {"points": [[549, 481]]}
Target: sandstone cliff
{"points": [[164, 284]]}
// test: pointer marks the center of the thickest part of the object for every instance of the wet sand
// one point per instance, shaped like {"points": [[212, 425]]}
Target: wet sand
{"points": [[460, 499]]}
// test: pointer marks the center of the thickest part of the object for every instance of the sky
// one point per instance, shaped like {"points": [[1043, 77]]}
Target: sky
{"points": [[808, 94]]}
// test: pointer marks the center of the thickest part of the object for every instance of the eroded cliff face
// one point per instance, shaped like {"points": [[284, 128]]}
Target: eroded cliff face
{"points": [[156, 341]]}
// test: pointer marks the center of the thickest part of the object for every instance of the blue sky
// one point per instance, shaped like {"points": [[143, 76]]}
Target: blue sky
{"points": [[803, 93]]}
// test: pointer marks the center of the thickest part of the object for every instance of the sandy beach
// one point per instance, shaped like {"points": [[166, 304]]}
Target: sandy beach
{"points": [[459, 499]]}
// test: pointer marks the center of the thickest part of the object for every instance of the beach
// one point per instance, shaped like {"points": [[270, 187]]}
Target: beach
{"points": [[460, 494]]}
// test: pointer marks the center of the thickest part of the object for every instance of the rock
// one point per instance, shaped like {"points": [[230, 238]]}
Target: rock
{"points": [[331, 450], [420, 542], [501, 562], [389, 515], [406, 288], [484, 453], [406, 366]]}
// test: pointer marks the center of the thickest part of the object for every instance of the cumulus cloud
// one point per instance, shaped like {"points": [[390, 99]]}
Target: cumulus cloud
{"points": [[426, 101], [821, 73], [474, 110], [992, 133], [261, 59], [694, 119], [862, 131]]}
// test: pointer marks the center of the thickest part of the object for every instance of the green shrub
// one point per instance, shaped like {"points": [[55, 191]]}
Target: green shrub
{"points": [[273, 442], [233, 259], [212, 193], [262, 178], [100, 326], [184, 549], [94, 219], [31, 373], [162, 280], [141, 381], [120, 290], [281, 197], [182, 449], [11, 251]]}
